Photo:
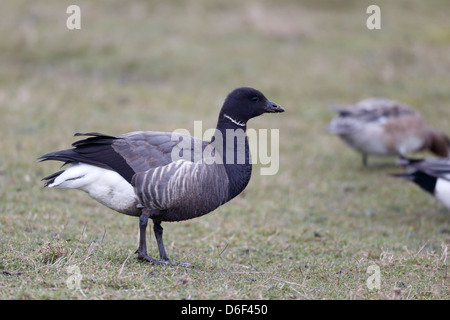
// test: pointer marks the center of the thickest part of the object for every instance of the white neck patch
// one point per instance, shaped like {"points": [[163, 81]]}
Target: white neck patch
{"points": [[234, 121]]}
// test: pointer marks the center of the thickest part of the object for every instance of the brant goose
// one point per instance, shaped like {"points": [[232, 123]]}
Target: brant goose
{"points": [[165, 176], [432, 175], [378, 126]]}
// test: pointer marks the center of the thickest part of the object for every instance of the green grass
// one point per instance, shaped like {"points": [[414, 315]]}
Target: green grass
{"points": [[308, 232]]}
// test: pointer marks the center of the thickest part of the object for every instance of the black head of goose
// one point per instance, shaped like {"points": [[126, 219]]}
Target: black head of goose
{"points": [[161, 175]]}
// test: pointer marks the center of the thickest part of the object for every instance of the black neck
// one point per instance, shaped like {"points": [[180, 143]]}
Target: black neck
{"points": [[235, 153]]}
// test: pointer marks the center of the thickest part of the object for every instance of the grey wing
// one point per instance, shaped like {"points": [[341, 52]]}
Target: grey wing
{"points": [[439, 168], [373, 109], [143, 150], [435, 167]]}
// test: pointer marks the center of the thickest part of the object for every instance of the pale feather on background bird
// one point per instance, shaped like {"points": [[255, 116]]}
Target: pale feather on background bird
{"points": [[379, 126]]}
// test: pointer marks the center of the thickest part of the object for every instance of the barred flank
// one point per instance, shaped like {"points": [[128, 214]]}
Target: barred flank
{"points": [[183, 189]]}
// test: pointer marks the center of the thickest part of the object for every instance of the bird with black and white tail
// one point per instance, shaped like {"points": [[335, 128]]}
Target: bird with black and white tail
{"points": [[136, 173], [432, 175]]}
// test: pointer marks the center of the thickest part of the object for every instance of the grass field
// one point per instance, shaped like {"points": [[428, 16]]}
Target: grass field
{"points": [[309, 232]]}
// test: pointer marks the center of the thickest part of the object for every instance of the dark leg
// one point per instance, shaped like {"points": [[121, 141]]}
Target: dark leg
{"points": [[158, 230], [142, 250], [364, 159]]}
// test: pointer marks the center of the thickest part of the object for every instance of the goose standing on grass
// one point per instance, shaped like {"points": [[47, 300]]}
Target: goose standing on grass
{"points": [[157, 176], [378, 126], [432, 175]]}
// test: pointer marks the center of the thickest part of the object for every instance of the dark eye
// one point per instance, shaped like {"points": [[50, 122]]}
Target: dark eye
{"points": [[255, 98]]}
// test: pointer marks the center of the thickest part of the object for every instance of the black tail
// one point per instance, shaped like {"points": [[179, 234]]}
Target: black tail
{"points": [[96, 150], [66, 156], [51, 178], [94, 138]]}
